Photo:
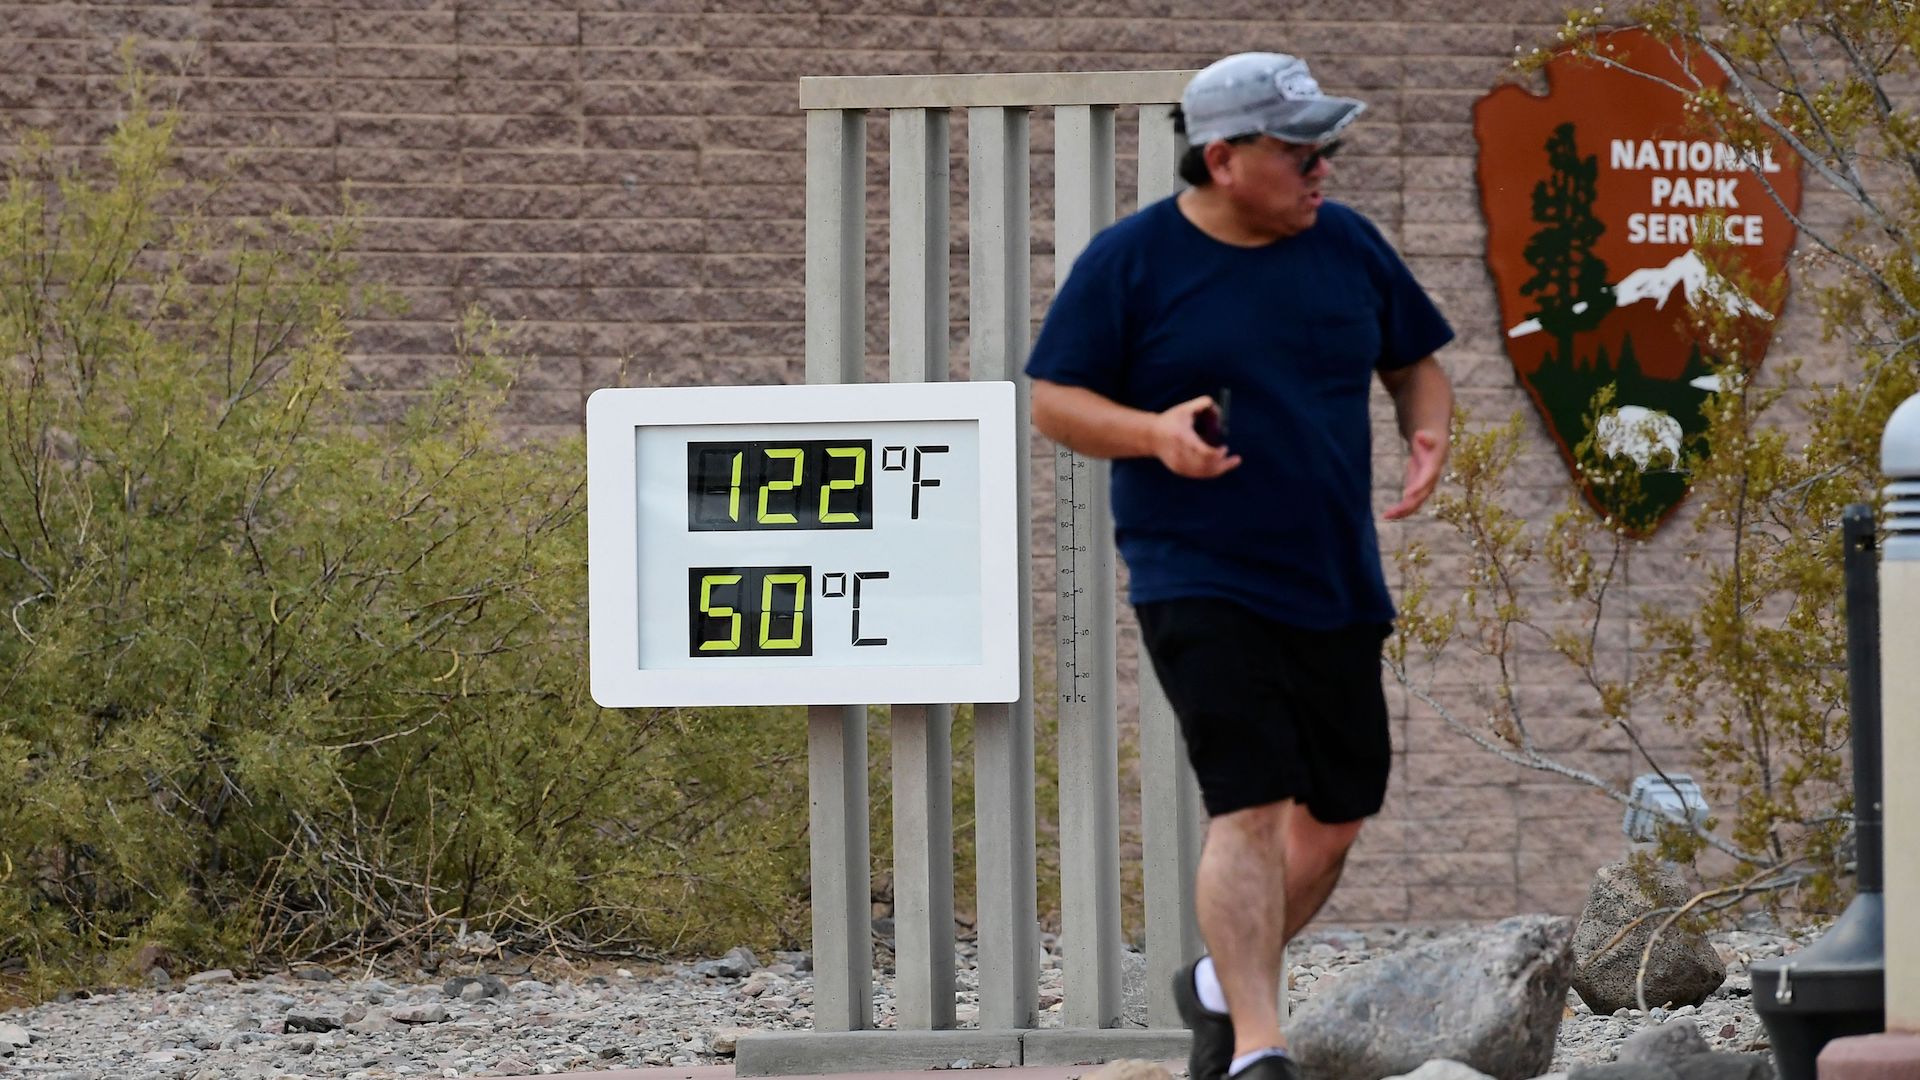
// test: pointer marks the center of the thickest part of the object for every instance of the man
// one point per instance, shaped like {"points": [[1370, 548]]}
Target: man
{"points": [[1254, 565]]}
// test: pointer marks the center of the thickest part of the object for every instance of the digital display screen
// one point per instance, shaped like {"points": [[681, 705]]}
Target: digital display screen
{"points": [[884, 520], [749, 611], [811, 484]]}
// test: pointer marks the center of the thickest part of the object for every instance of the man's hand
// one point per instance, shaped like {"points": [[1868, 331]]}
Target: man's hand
{"points": [[1426, 456], [1182, 450], [1090, 424], [1423, 403]]}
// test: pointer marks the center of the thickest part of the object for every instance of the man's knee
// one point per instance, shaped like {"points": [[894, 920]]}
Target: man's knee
{"points": [[1260, 825], [1320, 842]]}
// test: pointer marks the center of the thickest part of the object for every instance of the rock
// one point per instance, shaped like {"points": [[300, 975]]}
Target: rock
{"points": [[1699, 1066], [314, 1020], [1443, 1069], [1345, 940], [1642, 1070], [217, 976], [1725, 1067], [150, 956], [1668, 1042], [1684, 968], [1130, 1069], [725, 1040], [478, 943], [480, 986], [419, 1014], [760, 982], [374, 1023], [13, 1035], [1489, 997], [737, 964]]}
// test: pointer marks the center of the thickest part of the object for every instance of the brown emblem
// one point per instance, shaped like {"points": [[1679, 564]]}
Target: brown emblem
{"points": [[1594, 196]]}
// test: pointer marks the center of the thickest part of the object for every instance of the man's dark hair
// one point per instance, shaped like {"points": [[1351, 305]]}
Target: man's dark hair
{"points": [[1193, 163]]}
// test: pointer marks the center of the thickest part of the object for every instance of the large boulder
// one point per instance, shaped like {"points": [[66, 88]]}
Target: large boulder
{"points": [[1488, 997], [1684, 968]]}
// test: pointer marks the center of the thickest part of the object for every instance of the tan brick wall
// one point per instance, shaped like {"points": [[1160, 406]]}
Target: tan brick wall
{"points": [[624, 179]]}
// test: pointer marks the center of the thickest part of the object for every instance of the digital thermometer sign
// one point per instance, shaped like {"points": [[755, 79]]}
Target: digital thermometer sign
{"points": [[802, 545]]}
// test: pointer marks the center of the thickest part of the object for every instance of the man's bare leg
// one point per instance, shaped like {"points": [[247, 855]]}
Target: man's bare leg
{"points": [[1316, 853], [1240, 898]]}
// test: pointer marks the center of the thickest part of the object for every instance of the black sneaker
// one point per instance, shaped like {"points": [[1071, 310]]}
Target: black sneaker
{"points": [[1271, 1067], [1212, 1050]]}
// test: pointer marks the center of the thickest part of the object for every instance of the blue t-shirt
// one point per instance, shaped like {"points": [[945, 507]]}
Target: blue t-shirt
{"points": [[1156, 312]]}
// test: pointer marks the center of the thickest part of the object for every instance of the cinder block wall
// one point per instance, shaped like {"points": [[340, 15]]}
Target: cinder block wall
{"points": [[623, 179]]}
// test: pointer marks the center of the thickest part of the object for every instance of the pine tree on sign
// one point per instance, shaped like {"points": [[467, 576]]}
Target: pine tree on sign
{"points": [[1570, 280]]}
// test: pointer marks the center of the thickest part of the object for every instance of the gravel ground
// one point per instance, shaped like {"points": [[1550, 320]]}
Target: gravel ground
{"points": [[319, 1023]]}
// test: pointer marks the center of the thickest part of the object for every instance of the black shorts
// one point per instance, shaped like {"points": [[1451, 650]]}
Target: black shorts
{"points": [[1273, 712]]}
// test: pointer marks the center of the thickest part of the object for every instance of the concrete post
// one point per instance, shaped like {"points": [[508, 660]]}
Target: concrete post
{"points": [[1089, 740], [1900, 711], [999, 251], [1895, 1052], [837, 734], [922, 734]]}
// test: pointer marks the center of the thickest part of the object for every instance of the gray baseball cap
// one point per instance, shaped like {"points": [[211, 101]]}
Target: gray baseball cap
{"points": [[1249, 93]]}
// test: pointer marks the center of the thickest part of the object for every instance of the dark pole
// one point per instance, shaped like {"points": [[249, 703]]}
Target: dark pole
{"points": [[1863, 678]]}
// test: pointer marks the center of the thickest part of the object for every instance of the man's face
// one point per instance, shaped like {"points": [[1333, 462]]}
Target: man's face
{"points": [[1275, 185]]}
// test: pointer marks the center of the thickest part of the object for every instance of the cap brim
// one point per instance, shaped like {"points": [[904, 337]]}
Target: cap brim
{"points": [[1318, 121]]}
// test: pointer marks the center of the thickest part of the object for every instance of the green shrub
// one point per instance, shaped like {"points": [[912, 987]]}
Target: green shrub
{"points": [[277, 681]]}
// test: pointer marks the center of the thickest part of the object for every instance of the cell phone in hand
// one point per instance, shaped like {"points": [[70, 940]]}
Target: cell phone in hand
{"points": [[1210, 423]]}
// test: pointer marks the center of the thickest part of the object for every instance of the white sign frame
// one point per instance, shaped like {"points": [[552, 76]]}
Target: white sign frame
{"points": [[614, 417]]}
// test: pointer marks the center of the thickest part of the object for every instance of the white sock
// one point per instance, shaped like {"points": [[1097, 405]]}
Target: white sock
{"points": [[1247, 1059], [1207, 983]]}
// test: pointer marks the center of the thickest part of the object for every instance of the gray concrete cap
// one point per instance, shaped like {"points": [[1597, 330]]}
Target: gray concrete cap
{"points": [[1900, 445], [1900, 464]]}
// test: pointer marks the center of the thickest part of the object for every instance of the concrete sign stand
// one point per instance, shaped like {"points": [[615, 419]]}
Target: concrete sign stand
{"points": [[1896, 1053], [925, 1034]]}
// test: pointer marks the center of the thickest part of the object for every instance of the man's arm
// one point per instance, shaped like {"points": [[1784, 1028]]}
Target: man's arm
{"points": [[1423, 402], [1088, 423]]}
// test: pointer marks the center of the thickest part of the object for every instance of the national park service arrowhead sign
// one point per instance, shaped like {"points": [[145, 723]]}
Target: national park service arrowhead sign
{"points": [[1594, 196]]}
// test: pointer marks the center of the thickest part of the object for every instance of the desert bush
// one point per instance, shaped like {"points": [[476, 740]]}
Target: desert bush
{"points": [[280, 679]]}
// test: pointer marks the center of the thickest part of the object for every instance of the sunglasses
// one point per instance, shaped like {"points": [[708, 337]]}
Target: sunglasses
{"points": [[1320, 153], [1308, 163]]}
